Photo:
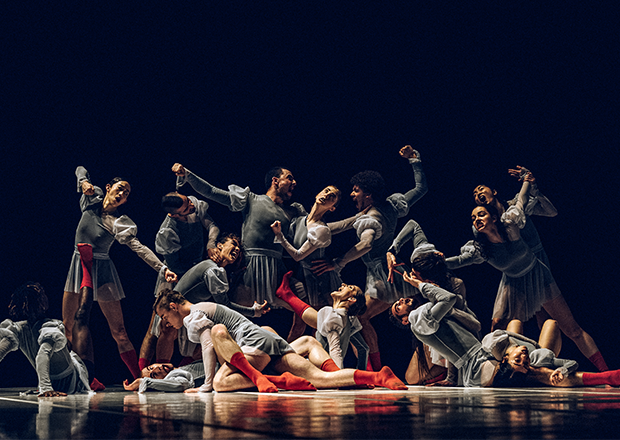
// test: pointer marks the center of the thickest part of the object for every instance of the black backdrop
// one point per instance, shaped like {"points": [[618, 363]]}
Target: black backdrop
{"points": [[325, 90]]}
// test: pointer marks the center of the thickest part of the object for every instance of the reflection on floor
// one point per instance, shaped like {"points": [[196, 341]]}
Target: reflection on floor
{"points": [[420, 412]]}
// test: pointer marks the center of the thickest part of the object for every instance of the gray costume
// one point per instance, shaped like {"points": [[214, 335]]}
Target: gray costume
{"points": [[99, 230], [45, 345], [251, 338], [377, 227], [265, 268], [178, 380]]}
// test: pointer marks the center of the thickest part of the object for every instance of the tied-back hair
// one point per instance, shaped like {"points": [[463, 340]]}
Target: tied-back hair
{"points": [[167, 296], [171, 202], [29, 302], [482, 239], [432, 266]]}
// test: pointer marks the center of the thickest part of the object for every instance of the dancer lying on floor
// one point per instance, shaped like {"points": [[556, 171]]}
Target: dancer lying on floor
{"points": [[43, 341], [231, 335], [336, 325]]}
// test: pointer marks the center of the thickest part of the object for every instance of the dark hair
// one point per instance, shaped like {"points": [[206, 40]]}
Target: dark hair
{"points": [[493, 212], [507, 377], [396, 321], [432, 266], [371, 182], [359, 306], [29, 302], [167, 296], [273, 172], [116, 180], [171, 202]]}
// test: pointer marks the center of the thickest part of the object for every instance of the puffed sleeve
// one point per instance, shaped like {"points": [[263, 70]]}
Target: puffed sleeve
{"points": [[543, 357], [514, 216], [167, 241], [368, 222], [196, 322], [176, 381], [216, 280], [399, 203], [319, 235], [496, 343], [53, 332], [238, 197], [470, 254], [9, 340], [125, 231]]}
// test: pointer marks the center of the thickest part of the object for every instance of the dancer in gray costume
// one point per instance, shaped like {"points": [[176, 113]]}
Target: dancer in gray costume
{"points": [[164, 377], [375, 231], [92, 275], [265, 267], [43, 341]]}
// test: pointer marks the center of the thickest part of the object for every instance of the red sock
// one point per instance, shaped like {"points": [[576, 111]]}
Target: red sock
{"points": [[285, 293], [95, 385], [329, 365], [598, 361], [131, 360], [375, 361], [288, 381], [143, 363], [239, 361], [384, 378], [86, 258], [369, 366], [605, 378]]}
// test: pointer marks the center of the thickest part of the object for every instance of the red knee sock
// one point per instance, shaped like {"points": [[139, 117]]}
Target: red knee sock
{"points": [[384, 378], [598, 361], [605, 378], [288, 381], [143, 363], [86, 258], [131, 360], [375, 361], [263, 384], [329, 365], [285, 293]]}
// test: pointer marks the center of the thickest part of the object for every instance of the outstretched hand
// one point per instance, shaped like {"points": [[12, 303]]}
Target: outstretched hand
{"points": [[133, 386], [319, 267], [412, 279], [214, 255], [391, 262], [178, 169], [52, 394], [522, 173]]}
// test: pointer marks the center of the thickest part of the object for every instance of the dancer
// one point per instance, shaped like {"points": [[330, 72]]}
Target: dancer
{"points": [[265, 267], [206, 281], [92, 275], [180, 240], [43, 341], [335, 325], [527, 284], [375, 231], [227, 333]]}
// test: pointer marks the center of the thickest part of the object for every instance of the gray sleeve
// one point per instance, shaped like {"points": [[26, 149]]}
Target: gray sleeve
{"points": [[179, 382], [207, 190], [43, 367]]}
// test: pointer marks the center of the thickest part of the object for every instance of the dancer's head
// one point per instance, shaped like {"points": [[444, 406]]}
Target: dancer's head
{"points": [[352, 298], [486, 219], [169, 306], [431, 266], [281, 182], [368, 188], [484, 195], [328, 198], [230, 248], [117, 191], [157, 371], [29, 302], [178, 206], [399, 313]]}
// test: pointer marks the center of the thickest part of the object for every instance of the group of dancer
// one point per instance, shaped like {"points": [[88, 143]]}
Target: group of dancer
{"points": [[198, 307]]}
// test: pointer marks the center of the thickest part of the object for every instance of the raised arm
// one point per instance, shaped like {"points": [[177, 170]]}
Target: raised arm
{"points": [[537, 204], [201, 186], [421, 188], [470, 254]]}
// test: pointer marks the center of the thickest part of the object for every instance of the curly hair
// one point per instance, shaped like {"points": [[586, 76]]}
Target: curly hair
{"points": [[371, 182], [29, 302]]}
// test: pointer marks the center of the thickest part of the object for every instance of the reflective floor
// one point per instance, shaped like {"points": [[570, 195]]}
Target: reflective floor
{"points": [[417, 413]]}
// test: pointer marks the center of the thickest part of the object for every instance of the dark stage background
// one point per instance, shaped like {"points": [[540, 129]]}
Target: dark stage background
{"points": [[326, 89]]}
